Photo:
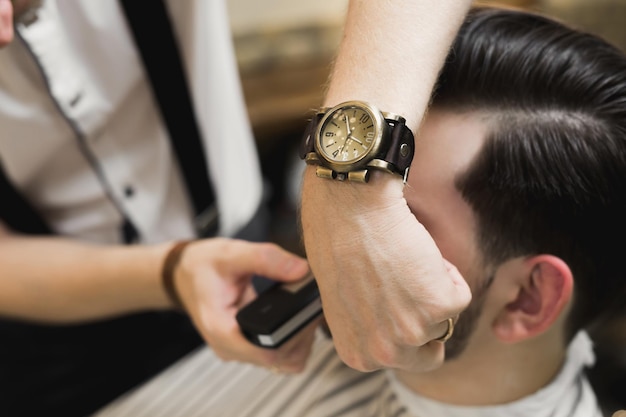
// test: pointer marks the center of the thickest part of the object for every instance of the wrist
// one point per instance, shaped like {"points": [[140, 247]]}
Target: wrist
{"points": [[169, 267], [382, 190]]}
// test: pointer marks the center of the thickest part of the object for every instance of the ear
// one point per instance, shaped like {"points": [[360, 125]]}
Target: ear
{"points": [[542, 293]]}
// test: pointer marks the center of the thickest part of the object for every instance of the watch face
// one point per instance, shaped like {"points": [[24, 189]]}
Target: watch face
{"points": [[349, 134]]}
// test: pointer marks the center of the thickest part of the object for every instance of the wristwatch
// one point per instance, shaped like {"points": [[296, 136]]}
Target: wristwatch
{"points": [[349, 140]]}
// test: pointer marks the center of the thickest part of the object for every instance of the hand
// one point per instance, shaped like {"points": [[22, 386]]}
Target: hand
{"points": [[214, 281], [385, 288]]}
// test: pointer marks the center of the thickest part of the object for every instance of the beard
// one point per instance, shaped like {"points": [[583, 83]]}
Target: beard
{"points": [[467, 321]]}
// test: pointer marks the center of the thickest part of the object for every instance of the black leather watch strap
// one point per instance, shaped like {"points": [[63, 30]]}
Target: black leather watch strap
{"points": [[401, 146], [307, 145]]}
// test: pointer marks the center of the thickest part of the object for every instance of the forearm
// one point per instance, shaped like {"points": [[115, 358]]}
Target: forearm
{"points": [[390, 56], [386, 290], [392, 51], [60, 280]]}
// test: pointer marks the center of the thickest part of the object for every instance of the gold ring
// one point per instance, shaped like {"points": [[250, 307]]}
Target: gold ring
{"points": [[448, 334]]}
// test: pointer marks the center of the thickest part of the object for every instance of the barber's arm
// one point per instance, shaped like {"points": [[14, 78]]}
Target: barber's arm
{"points": [[386, 290], [59, 280]]}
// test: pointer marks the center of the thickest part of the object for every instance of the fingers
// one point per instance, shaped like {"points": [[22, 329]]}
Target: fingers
{"points": [[291, 357], [385, 350], [214, 279], [266, 259], [378, 327], [294, 353], [276, 263], [393, 356], [460, 293], [385, 307]]}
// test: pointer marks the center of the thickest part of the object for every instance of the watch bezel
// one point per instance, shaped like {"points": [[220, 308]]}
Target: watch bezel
{"points": [[380, 129]]}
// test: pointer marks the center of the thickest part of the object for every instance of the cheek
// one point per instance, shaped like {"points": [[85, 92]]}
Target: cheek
{"points": [[453, 232], [437, 204]]}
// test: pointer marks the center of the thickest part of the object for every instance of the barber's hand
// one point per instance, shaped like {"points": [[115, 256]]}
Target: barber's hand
{"points": [[386, 290], [213, 279]]}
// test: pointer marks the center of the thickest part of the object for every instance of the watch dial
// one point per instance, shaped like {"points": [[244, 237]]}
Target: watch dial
{"points": [[347, 135]]}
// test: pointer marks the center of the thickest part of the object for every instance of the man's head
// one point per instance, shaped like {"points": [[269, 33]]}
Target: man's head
{"points": [[520, 175]]}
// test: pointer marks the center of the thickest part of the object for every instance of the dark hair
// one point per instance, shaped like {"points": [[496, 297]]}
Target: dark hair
{"points": [[551, 177]]}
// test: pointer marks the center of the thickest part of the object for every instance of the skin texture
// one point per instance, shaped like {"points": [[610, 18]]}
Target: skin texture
{"points": [[384, 301], [518, 308], [214, 282], [6, 22], [74, 281]]}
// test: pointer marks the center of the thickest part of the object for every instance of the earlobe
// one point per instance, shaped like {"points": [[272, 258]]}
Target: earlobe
{"points": [[541, 297]]}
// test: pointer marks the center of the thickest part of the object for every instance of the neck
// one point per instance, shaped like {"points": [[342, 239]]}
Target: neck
{"points": [[491, 374]]}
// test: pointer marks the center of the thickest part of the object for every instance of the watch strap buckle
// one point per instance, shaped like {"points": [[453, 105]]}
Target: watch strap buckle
{"points": [[362, 175]]}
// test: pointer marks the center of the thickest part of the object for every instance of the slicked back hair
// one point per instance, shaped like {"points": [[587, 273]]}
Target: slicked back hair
{"points": [[551, 177]]}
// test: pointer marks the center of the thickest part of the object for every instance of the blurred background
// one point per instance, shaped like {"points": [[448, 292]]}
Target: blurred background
{"points": [[285, 50]]}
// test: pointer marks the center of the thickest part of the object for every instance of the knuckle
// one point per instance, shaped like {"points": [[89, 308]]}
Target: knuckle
{"points": [[463, 296], [355, 360], [412, 338], [411, 332], [466, 298], [267, 249], [383, 353]]}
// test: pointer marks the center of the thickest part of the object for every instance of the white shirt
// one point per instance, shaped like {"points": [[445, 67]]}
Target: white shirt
{"points": [[202, 385], [568, 395], [99, 100]]}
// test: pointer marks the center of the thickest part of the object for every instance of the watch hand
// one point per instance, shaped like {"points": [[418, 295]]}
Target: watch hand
{"points": [[355, 139]]}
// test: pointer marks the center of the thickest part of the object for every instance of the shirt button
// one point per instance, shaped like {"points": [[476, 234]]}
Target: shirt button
{"points": [[129, 191]]}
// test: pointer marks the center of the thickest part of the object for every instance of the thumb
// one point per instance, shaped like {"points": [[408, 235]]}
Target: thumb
{"points": [[462, 292], [454, 274], [274, 262]]}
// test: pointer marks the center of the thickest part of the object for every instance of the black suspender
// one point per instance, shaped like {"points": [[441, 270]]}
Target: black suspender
{"points": [[155, 39], [17, 212]]}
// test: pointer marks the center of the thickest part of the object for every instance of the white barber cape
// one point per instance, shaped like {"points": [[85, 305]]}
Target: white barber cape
{"points": [[202, 385], [568, 395]]}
